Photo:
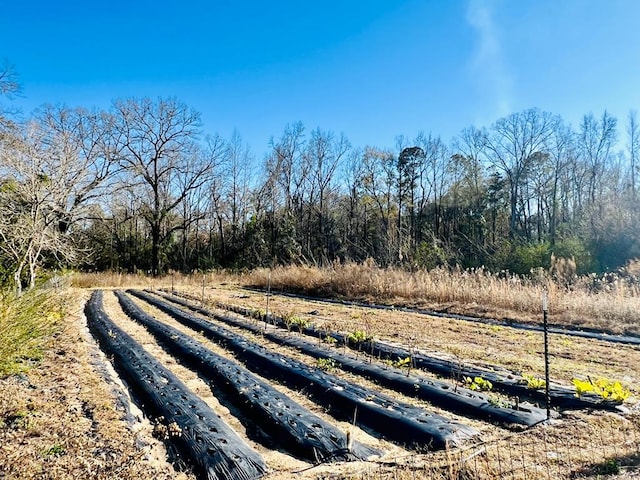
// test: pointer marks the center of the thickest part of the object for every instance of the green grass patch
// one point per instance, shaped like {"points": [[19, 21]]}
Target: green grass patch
{"points": [[26, 322]]}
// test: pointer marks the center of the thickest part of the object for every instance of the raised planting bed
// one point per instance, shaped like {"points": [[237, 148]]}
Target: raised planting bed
{"points": [[442, 394], [556, 328], [295, 428], [401, 422], [208, 444], [509, 383]]}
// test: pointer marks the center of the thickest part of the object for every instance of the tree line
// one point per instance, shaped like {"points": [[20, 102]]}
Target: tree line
{"points": [[140, 186]]}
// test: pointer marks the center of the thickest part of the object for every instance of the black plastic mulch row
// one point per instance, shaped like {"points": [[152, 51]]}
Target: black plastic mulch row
{"points": [[555, 328], [505, 382], [213, 448], [459, 400], [295, 428], [401, 422]]}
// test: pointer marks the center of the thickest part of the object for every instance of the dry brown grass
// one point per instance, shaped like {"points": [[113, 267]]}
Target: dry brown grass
{"points": [[613, 304], [130, 280]]}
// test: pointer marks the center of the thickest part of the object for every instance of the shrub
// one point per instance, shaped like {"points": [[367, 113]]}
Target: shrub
{"points": [[527, 257], [576, 250]]}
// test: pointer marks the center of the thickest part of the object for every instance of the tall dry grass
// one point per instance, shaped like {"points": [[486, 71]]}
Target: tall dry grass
{"points": [[138, 280], [26, 324], [611, 303]]}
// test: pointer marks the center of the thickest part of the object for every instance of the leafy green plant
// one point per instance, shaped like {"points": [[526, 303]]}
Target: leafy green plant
{"points": [[329, 340], [292, 321], [496, 401], [534, 383], [358, 337], [610, 390], [55, 450], [402, 362], [326, 364], [478, 384]]}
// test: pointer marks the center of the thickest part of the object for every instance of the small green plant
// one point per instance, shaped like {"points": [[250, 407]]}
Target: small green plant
{"points": [[326, 364], [610, 390], [55, 450], [291, 320], [329, 340], [406, 362], [496, 401], [358, 337], [402, 362], [478, 384], [534, 383]]}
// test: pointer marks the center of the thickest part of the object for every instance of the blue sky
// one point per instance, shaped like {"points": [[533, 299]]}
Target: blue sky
{"points": [[370, 69]]}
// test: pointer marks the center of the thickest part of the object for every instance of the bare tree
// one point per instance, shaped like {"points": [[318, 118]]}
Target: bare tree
{"points": [[633, 131], [33, 171], [378, 183], [157, 149], [324, 152], [512, 146], [596, 138], [561, 148], [9, 88]]}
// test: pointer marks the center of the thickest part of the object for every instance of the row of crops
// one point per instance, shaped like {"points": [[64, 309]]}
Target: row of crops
{"points": [[249, 374]]}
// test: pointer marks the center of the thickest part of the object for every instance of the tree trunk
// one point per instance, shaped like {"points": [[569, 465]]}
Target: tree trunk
{"points": [[155, 249]]}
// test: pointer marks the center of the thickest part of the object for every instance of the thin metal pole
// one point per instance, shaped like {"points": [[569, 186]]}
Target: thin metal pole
{"points": [[266, 315], [203, 282], [546, 352]]}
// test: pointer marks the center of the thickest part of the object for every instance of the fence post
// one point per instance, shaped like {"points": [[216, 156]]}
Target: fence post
{"points": [[203, 284], [546, 351], [266, 314]]}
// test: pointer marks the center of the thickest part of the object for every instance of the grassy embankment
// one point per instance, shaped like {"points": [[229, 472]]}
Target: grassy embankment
{"points": [[26, 324]]}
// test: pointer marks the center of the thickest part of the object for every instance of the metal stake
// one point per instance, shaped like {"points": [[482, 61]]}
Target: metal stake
{"points": [[546, 352]]}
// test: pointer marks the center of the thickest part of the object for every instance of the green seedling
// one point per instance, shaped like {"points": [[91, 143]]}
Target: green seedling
{"points": [[326, 364], [534, 383], [478, 384], [609, 390], [358, 337]]}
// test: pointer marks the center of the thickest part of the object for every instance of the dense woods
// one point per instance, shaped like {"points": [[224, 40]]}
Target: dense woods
{"points": [[142, 186]]}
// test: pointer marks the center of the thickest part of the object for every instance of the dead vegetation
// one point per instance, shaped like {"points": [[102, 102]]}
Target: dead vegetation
{"points": [[610, 302]]}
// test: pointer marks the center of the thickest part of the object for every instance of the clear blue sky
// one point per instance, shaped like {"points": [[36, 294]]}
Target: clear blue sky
{"points": [[372, 69]]}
